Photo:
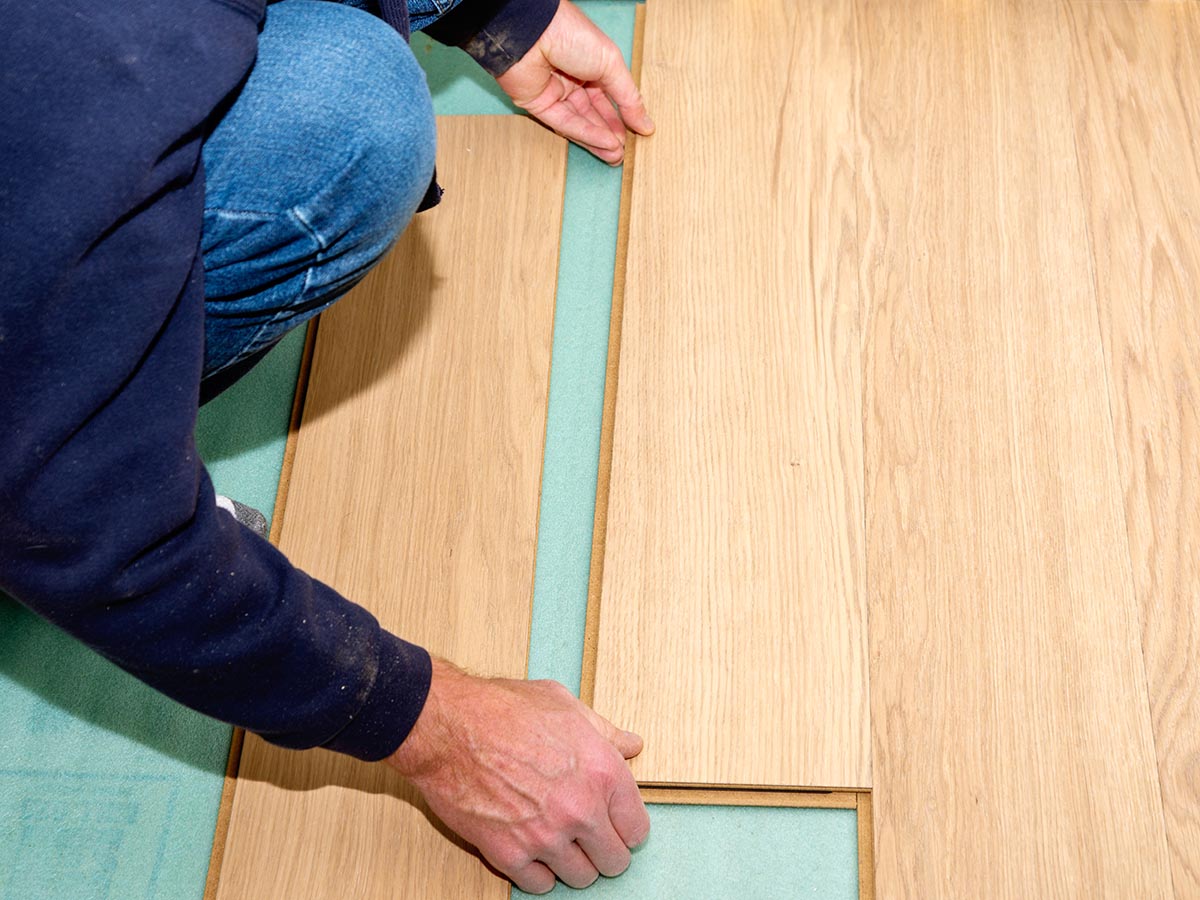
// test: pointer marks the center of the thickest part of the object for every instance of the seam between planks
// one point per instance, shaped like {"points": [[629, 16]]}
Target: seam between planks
{"points": [[591, 630], [225, 809], [721, 796], [546, 416]]}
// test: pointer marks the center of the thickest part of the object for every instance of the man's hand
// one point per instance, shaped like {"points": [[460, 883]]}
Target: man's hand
{"points": [[529, 775], [570, 79]]}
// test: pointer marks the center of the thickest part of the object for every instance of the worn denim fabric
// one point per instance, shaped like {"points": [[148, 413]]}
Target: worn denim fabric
{"points": [[312, 173]]}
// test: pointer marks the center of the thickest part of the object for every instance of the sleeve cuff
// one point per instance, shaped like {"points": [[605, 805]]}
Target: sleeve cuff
{"points": [[393, 704], [496, 33]]}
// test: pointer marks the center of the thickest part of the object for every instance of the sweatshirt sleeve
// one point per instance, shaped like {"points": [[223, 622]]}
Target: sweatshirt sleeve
{"points": [[108, 525], [496, 33]]}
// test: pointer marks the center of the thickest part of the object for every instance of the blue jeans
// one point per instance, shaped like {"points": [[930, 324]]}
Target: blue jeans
{"points": [[311, 175]]}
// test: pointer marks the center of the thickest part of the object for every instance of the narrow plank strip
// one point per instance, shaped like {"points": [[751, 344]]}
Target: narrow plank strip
{"points": [[728, 797], [591, 631], [414, 490], [866, 847], [1134, 72], [732, 620], [1012, 743], [237, 741]]}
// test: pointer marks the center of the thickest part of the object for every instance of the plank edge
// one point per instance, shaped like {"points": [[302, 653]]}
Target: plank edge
{"points": [[866, 847], [591, 631], [225, 809]]}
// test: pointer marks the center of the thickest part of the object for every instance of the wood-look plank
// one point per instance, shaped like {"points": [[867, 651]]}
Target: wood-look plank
{"points": [[1012, 744], [1135, 69], [414, 491], [732, 631]]}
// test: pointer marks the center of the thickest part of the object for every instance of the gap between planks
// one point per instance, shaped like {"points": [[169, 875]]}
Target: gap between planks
{"points": [[591, 633], [225, 808], [860, 801]]}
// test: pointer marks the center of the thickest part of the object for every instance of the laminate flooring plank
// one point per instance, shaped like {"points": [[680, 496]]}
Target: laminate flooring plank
{"points": [[732, 631], [1134, 75], [414, 491], [1012, 746]]}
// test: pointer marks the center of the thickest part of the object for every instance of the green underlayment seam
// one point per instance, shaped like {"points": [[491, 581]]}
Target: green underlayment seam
{"points": [[109, 790]]}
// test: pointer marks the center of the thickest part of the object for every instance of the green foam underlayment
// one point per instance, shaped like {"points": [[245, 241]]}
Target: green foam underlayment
{"points": [[109, 790], [737, 853]]}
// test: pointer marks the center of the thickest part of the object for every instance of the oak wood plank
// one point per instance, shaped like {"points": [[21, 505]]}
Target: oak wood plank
{"points": [[414, 490], [732, 632], [1012, 744], [1134, 75]]}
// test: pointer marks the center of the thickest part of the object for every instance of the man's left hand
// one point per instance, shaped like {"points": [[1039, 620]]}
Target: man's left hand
{"points": [[575, 81]]}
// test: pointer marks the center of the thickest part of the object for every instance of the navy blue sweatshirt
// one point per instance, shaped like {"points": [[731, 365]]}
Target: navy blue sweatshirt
{"points": [[108, 525]]}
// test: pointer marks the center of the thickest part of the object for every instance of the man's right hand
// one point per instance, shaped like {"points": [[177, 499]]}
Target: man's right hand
{"points": [[532, 777]]}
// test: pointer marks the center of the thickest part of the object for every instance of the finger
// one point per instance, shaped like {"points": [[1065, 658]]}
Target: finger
{"points": [[567, 121], [617, 82], [593, 57], [572, 865], [628, 813], [581, 102], [583, 105], [606, 850], [604, 107], [627, 742], [533, 878]]}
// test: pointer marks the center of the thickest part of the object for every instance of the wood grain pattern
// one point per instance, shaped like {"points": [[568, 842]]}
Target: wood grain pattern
{"points": [[414, 491], [1012, 745], [732, 619], [1134, 77]]}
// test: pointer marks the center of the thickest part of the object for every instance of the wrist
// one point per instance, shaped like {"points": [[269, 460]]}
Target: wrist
{"points": [[495, 33], [426, 745]]}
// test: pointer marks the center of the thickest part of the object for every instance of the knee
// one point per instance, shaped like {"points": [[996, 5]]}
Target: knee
{"points": [[362, 113]]}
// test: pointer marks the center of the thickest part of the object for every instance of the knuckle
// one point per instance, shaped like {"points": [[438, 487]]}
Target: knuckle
{"points": [[601, 769], [575, 809], [510, 859], [546, 838], [553, 688]]}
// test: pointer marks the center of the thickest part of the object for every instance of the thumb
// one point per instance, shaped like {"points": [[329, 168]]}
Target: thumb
{"points": [[628, 743]]}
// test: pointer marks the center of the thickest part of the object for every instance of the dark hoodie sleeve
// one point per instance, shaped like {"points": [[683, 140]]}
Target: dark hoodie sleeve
{"points": [[108, 525], [496, 33]]}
